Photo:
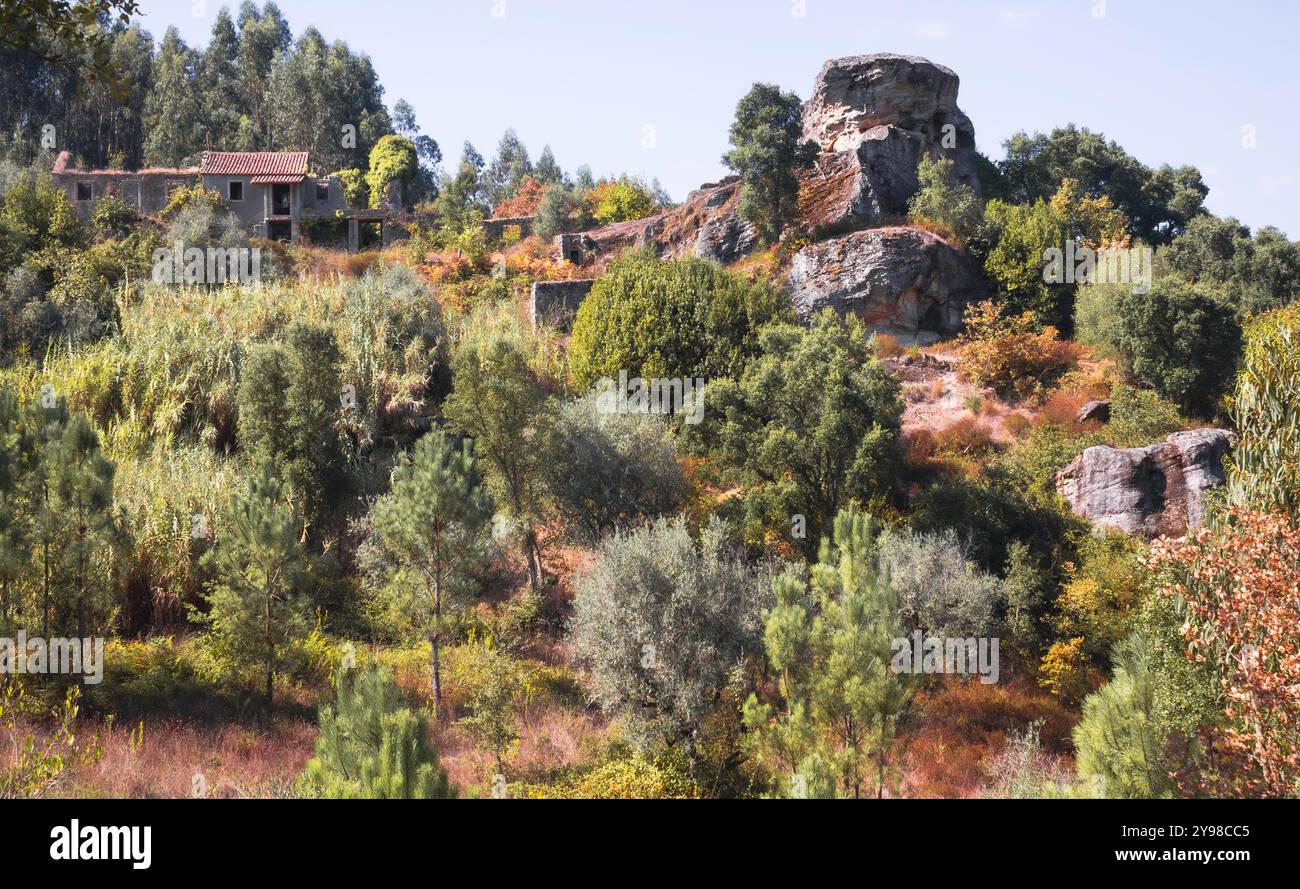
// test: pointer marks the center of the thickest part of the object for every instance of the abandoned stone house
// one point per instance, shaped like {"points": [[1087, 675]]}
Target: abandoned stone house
{"points": [[270, 192]]}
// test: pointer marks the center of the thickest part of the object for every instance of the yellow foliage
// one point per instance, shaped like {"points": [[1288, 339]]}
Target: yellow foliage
{"points": [[1009, 354], [1095, 220], [1064, 670]]}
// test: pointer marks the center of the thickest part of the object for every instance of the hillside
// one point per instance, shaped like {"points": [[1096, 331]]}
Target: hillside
{"points": [[876, 469]]}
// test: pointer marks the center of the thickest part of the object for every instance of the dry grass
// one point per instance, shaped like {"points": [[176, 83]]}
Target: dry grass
{"points": [[551, 739], [236, 760], [964, 724], [887, 345], [324, 264]]}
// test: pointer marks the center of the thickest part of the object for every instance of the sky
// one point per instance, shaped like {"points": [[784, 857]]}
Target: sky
{"points": [[649, 87]]}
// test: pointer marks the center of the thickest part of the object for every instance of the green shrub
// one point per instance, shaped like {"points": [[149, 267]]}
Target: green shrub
{"points": [[1264, 470], [1141, 417], [622, 775], [613, 469], [1181, 341], [662, 623], [810, 426], [1097, 321], [161, 676], [677, 318], [939, 198], [1021, 233], [113, 217], [35, 215]]}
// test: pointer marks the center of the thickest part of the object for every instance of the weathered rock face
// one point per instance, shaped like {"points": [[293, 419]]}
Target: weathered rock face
{"points": [[899, 280], [1150, 491], [873, 117], [852, 189], [706, 225], [854, 94]]}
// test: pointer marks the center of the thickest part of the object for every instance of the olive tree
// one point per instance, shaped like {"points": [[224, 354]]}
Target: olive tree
{"points": [[662, 624]]}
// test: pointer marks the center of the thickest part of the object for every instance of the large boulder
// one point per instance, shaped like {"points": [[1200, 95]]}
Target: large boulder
{"points": [[856, 94], [873, 117], [1149, 491], [899, 280]]}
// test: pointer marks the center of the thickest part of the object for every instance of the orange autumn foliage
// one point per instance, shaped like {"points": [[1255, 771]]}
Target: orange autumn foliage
{"points": [[1241, 582], [524, 203]]}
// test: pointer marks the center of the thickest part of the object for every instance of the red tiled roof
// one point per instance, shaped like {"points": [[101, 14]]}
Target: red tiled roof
{"points": [[284, 166], [280, 179]]}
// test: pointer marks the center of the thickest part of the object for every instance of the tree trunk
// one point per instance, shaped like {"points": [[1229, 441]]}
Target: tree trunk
{"points": [[434, 666], [533, 558], [45, 608], [880, 788], [270, 657], [81, 600]]}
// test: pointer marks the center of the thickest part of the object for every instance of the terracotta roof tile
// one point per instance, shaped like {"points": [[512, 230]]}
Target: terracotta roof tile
{"points": [[255, 163]]}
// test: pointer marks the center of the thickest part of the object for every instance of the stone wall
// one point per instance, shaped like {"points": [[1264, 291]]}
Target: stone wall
{"points": [[146, 190], [555, 303], [495, 229]]}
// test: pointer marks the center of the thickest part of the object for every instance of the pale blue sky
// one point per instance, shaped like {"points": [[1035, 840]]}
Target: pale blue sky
{"points": [[1172, 82]]}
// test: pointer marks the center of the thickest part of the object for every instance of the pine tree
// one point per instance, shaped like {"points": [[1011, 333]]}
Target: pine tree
{"points": [[81, 481], [373, 747], [288, 412], [499, 402], [830, 640], [548, 171], [17, 457], [432, 521], [256, 609], [70, 502], [1119, 740]]}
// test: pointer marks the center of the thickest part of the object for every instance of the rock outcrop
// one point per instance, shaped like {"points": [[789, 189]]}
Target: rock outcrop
{"points": [[1149, 491], [706, 225], [856, 93], [873, 117], [898, 280], [1096, 411]]}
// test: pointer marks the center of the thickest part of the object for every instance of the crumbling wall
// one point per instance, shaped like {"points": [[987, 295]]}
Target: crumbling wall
{"points": [[495, 229], [555, 303]]}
